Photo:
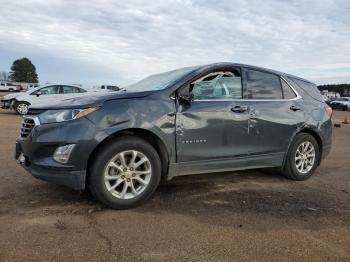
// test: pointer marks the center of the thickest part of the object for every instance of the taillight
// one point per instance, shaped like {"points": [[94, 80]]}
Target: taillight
{"points": [[329, 111]]}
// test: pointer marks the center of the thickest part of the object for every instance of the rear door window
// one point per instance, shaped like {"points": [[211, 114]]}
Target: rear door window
{"points": [[262, 85], [71, 90]]}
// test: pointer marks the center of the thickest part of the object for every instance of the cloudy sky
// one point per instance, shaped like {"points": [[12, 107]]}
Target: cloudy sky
{"points": [[94, 42]]}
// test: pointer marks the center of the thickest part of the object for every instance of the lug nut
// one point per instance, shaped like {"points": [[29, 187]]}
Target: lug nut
{"points": [[131, 169], [128, 180], [123, 177], [133, 175]]}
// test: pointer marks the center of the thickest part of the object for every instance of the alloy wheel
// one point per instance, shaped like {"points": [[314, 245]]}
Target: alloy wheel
{"points": [[22, 108], [305, 157], [127, 174]]}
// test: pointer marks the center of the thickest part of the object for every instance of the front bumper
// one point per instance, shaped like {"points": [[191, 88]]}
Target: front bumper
{"points": [[35, 151], [72, 179], [7, 104]]}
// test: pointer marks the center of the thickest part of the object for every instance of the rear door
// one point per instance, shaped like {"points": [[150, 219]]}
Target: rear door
{"points": [[275, 111], [214, 124]]}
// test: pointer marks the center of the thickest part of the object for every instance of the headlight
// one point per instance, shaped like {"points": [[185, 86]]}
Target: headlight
{"points": [[53, 116]]}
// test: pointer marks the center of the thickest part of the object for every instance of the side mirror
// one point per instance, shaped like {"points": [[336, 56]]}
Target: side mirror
{"points": [[184, 96], [38, 94]]}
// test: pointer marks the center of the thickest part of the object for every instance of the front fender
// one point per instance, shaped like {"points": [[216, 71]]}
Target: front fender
{"points": [[143, 114]]}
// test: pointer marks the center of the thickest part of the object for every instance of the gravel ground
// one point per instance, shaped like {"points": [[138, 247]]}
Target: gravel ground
{"points": [[245, 216]]}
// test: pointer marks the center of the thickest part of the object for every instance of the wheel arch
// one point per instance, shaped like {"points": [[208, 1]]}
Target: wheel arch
{"points": [[17, 102], [145, 134], [313, 133]]}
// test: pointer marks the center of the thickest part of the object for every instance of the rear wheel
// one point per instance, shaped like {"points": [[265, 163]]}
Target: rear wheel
{"points": [[21, 108], [125, 173], [302, 158]]}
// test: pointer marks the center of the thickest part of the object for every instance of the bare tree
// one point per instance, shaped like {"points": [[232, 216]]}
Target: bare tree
{"points": [[4, 76]]}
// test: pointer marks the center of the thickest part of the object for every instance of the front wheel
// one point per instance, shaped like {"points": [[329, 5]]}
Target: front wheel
{"points": [[125, 173], [302, 158], [21, 108]]}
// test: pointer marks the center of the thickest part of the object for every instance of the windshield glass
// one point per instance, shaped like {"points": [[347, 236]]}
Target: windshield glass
{"points": [[159, 81]]}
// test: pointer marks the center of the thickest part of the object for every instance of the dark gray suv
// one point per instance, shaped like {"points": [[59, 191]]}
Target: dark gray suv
{"points": [[212, 118]]}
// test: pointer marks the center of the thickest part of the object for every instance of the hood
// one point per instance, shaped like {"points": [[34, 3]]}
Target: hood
{"points": [[90, 99], [11, 96]]}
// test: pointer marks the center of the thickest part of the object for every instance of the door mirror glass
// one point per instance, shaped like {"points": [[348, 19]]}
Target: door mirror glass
{"points": [[184, 96]]}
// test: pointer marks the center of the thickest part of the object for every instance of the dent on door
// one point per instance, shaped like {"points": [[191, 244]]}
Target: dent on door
{"points": [[272, 124]]}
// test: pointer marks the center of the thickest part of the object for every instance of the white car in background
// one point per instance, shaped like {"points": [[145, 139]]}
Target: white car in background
{"points": [[20, 102], [341, 103]]}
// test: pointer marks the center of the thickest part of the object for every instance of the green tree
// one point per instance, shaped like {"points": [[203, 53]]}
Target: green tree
{"points": [[22, 70]]}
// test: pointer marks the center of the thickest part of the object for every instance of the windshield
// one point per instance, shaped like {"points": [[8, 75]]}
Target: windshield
{"points": [[159, 81]]}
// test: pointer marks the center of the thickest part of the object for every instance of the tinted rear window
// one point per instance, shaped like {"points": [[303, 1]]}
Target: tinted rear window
{"points": [[263, 85], [310, 88]]}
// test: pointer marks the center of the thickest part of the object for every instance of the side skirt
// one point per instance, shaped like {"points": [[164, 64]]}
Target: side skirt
{"points": [[227, 164]]}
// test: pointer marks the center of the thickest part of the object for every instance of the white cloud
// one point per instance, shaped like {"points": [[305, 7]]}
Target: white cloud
{"points": [[131, 39]]}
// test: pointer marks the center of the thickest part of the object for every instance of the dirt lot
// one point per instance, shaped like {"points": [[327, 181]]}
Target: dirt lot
{"points": [[255, 215]]}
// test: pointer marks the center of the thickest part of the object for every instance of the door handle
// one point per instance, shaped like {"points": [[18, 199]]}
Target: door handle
{"points": [[240, 109], [294, 108]]}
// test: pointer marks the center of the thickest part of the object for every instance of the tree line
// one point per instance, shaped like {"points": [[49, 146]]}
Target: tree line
{"points": [[342, 89]]}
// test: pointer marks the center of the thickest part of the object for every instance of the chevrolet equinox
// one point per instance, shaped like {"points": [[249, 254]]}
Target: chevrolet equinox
{"points": [[212, 118]]}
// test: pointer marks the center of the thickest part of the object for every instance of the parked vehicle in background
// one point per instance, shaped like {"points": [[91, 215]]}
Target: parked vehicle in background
{"points": [[28, 86], [342, 103], [108, 87], [20, 102], [213, 118], [329, 100], [329, 95], [10, 87]]}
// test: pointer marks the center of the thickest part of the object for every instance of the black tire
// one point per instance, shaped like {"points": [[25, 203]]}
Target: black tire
{"points": [[289, 169], [18, 105], [96, 182]]}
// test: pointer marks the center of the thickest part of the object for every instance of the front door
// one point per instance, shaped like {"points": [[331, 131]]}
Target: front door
{"points": [[214, 123], [46, 94]]}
